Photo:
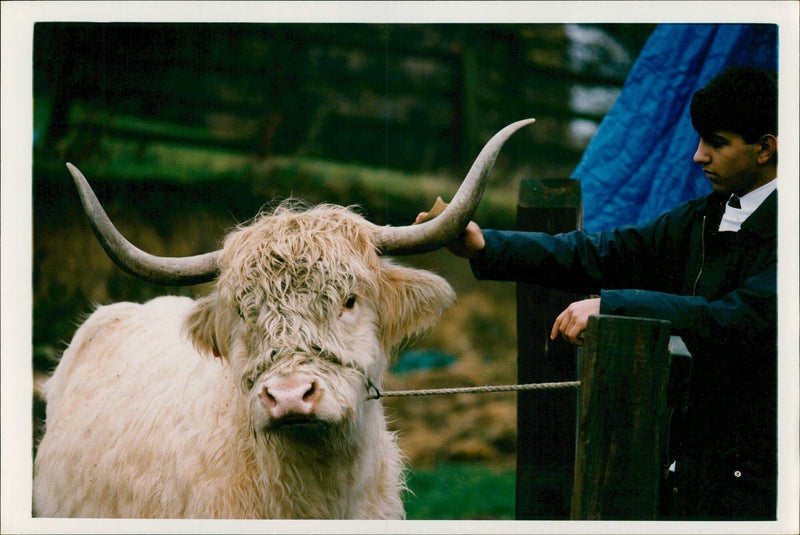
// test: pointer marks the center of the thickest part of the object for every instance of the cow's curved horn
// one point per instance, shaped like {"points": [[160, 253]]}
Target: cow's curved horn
{"points": [[155, 269], [437, 232]]}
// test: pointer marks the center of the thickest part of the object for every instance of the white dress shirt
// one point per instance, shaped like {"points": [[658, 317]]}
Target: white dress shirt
{"points": [[733, 218]]}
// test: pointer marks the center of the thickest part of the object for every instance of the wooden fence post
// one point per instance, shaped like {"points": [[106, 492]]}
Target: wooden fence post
{"points": [[625, 366], [545, 421]]}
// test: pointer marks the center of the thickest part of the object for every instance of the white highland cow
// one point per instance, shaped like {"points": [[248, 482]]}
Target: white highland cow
{"points": [[252, 402]]}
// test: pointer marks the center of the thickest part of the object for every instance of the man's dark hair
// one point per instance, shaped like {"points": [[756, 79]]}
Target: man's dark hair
{"points": [[742, 100]]}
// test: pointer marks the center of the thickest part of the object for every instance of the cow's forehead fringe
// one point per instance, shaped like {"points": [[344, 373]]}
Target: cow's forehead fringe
{"points": [[306, 234], [328, 248]]}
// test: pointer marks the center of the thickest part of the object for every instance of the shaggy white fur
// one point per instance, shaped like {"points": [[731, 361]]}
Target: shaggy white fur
{"points": [[144, 421]]}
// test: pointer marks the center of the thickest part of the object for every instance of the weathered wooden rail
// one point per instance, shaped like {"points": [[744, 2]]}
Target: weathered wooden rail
{"points": [[595, 454], [622, 414], [545, 423]]}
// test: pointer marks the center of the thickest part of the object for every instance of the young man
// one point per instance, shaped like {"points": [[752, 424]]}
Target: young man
{"points": [[709, 267]]}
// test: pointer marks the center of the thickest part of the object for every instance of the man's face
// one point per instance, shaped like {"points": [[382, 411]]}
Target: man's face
{"points": [[730, 163]]}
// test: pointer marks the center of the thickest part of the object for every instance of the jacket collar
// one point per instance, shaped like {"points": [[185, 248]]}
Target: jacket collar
{"points": [[761, 224], [764, 221]]}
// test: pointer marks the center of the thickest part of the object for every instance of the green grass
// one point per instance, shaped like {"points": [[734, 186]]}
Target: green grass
{"points": [[460, 492]]}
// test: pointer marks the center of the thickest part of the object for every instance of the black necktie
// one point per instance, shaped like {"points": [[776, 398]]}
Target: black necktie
{"points": [[733, 202]]}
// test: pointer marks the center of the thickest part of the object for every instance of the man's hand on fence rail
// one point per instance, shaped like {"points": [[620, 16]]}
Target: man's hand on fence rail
{"points": [[571, 323]]}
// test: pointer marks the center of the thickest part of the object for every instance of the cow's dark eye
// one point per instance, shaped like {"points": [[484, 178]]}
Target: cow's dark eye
{"points": [[350, 302]]}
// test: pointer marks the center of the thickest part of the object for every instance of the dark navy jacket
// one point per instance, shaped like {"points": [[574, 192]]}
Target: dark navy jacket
{"points": [[718, 290]]}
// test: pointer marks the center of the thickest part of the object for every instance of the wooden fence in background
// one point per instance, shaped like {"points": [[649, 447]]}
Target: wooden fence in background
{"points": [[416, 97]]}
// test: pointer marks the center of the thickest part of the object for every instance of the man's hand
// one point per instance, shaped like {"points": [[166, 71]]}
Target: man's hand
{"points": [[571, 323], [467, 243]]}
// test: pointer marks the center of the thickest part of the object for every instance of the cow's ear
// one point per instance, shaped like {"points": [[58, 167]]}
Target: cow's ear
{"points": [[412, 300], [204, 327]]}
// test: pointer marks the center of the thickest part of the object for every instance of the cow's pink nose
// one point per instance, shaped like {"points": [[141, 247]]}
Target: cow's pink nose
{"points": [[290, 397]]}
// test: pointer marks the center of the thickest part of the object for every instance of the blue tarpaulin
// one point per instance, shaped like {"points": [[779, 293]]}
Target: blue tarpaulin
{"points": [[639, 164]]}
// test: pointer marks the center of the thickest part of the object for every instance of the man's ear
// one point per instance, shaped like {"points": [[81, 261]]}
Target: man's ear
{"points": [[412, 300], [204, 325], [768, 149]]}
